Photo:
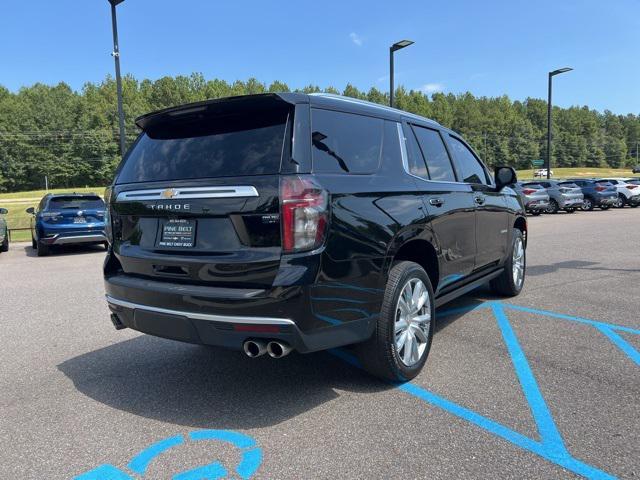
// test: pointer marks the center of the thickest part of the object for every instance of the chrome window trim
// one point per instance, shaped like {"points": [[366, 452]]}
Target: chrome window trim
{"points": [[181, 193], [201, 316]]}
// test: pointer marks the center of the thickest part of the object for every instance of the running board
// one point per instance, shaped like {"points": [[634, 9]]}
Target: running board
{"points": [[446, 298]]}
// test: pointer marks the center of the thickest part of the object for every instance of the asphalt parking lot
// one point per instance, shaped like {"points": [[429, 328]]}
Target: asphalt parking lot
{"points": [[545, 385]]}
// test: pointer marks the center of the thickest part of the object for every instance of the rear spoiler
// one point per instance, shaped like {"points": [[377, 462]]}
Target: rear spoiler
{"points": [[220, 106]]}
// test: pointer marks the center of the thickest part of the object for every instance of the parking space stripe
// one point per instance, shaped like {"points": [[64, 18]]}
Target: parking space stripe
{"points": [[552, 447], [621, 343], [541, 413]]}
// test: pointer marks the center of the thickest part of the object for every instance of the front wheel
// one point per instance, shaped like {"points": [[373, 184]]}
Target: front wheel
{"points": [[511, 280], [400, 344]]}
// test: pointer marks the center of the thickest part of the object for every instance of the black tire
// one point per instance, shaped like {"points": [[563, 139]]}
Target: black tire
{"points": [[5, 243], [570, 210], [633, 205], [379, 355], [105, 245], [536, 213], [587, 205], [553, 207], [505, 284], [605, 207], [34, 244], [43, 250], [622, 201]]}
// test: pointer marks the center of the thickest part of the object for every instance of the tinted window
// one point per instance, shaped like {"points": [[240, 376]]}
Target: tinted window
{"points": [[416, 165], [537, 186], [76, 203], [229, 145], [568, 184], [470, 168], [435, 154], [343, 142]]}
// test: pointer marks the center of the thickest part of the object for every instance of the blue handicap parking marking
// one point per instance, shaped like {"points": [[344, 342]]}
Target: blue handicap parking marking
{"points": [[551, 446], [251, 458]]}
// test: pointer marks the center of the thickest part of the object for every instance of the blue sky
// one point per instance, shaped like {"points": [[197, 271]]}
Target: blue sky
{"points": [[488, 48]]}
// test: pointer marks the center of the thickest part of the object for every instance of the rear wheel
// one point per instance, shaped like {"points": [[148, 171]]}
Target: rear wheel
{"points": [[43, 250], [570, 210], [587, 204], [511, 280], [621, 201], [5, 243], [400, 344], [605, 207], [553, 207], [535, 213]]}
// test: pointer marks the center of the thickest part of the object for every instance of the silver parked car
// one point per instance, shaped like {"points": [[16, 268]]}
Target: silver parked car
{"points": [[565, 196], [534, 197]]}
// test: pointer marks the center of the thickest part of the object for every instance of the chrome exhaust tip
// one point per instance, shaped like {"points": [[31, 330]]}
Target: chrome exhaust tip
{"points": [[254, 348], [278, 349]]}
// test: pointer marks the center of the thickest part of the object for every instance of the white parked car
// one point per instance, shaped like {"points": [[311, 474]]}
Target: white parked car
{"points": [[541, 173], [628, 193]]}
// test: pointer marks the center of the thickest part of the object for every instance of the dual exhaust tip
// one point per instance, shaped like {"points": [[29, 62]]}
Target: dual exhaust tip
{"points": [[257, 348]]}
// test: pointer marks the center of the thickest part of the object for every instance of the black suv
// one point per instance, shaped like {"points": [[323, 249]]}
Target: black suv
{"points": [[281, 222]]}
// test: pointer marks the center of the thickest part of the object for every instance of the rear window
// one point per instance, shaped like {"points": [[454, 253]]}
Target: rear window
{"points": [[605, 183], [76, 203], [568, 185], [221, 146], [535, 186], [345, 143]]}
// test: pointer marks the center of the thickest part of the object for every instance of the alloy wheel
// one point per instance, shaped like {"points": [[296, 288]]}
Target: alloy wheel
{"points": [[518, 262], [412, 322]]}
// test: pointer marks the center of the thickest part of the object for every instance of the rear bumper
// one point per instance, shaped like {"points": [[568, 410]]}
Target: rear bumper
{"points": [[537, 205], [607, 201], [571, 202], [72, 238], [226, 317]]}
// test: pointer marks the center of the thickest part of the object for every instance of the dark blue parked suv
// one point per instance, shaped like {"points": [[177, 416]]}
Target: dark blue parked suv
{"points": [[597, 193], [63, 219]]}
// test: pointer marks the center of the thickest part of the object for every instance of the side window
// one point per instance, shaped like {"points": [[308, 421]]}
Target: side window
{"points": [[415, 160], [435, 154], [344, 142], [470, 168]]}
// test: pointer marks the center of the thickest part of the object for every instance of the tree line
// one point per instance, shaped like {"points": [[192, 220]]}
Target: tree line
{"points": [[71, 136]]}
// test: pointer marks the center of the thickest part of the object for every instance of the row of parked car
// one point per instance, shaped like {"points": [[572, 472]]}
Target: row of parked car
{"points": [[551, 196]]}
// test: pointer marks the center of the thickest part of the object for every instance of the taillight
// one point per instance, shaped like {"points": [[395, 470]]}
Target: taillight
{"points": [[600, 188], [304, 213], [631, 187], [529, 191], [108, 228]]}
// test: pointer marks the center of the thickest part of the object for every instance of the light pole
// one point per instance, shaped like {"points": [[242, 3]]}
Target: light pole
{"points": [[116, 57], [551, 75], [396, 46]]}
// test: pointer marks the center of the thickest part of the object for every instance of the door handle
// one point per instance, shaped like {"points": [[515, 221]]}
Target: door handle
{"points": [[479, 200], [436, 202]]}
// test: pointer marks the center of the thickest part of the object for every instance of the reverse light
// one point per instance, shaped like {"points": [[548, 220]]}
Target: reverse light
{"points": [[304, 213]]}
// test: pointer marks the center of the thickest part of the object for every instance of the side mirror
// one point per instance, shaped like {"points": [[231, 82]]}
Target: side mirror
{"points": [[505, 176], [3, 211], [30, 211]]}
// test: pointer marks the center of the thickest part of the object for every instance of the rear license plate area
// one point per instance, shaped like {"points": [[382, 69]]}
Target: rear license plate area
{"points": [[79, 220], [177, 233]]}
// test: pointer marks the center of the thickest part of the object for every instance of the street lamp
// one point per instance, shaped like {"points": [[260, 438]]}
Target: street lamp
{"points": [[396, 46], [116, 57], [551, 75]]}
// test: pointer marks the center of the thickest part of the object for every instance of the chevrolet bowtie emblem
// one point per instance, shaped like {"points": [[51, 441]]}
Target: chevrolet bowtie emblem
{"points": [[168, 193]]}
